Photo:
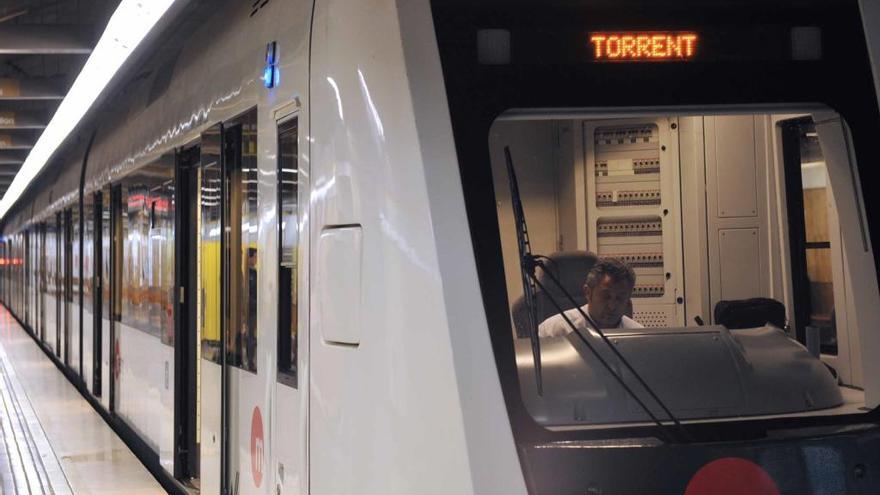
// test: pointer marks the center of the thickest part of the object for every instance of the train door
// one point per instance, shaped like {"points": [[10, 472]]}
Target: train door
{"points": [[41, 302], [821, 285], [247, 369], [207, 187], [87, 299], [75, 302], [102, 261], [26, 285], [66, 274], [115, 292], [30, 270], [233, 393], [35, 290], [97, 286], [289, 427], [35, 278], [187, 337], [57, 282]]}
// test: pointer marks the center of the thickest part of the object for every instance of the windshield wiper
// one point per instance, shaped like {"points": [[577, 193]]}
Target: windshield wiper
{"points": [[528, 262], [527, 268]]}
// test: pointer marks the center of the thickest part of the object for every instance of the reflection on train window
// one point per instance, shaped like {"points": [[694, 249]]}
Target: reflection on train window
{"points": [[88, 259], [43, 280], [148, 253], [692, 219], [66, 263], [74, 328], [88, 294], [208, 249], [67, 274], [811, 233], [288, 217], [57, 281], [240, 148], [105, 258]]}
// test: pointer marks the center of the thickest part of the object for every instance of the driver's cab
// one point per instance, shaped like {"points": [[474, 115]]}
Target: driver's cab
{"points": [[725, 216]]}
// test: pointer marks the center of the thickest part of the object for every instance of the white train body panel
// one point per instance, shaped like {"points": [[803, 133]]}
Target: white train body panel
{"points": [[146, 400], [398, 389], [385, 401]]}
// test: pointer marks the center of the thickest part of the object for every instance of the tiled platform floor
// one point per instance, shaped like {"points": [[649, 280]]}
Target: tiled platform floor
{"points": [[53, 441]]}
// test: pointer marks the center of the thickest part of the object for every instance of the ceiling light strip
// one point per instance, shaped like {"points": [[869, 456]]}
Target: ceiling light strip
{"points": [[127, 28]]}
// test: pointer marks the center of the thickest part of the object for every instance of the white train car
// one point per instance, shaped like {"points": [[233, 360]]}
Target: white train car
{"points": [[282, 257]]}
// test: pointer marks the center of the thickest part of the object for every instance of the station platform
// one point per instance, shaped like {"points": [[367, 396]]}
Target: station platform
{"points": [[53, 441]]}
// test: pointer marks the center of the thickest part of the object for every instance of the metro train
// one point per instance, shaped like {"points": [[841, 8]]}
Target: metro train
{"points": [[285, 255]]}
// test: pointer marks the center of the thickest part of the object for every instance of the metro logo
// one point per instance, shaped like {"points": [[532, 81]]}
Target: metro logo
{"points": [[258, 453], [646, 46]]}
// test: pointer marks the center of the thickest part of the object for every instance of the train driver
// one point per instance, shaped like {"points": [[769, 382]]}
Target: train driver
{"points": [[608, 289]]}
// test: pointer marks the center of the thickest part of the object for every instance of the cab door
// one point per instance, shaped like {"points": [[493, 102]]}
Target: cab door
{"points": [[857, 317], [289, 430]]}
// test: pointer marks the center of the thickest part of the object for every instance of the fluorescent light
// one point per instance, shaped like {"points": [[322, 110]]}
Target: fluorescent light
{"points": [[128, 26]]}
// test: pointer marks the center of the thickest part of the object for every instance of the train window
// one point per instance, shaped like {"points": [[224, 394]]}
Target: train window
{"points": [[240, 149], [27, 276], [56, 283], [75, 289], [659, 246], [812, 238], [67, 273], [88, 294], [134, 263], [208, 252], [117, 239], [148, 255], [288, 245], [43, 276], [105, 258], [88, 260]]}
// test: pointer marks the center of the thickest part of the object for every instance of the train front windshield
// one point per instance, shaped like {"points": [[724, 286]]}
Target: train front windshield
{"points": [[721, 235], [739, 232]]}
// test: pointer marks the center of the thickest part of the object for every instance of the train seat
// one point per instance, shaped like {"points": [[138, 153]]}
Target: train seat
{"points": [[749, 313], [570, 268]]}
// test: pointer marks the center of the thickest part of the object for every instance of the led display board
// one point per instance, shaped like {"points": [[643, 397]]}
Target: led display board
{"points": [[681, 46], [650, 46]]}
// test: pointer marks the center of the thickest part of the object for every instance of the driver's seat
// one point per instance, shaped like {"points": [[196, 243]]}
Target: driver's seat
{"points": [[570, 268]]}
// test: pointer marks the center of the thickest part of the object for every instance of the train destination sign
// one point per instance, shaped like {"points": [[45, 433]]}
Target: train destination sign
{"points": [[649, 46]]}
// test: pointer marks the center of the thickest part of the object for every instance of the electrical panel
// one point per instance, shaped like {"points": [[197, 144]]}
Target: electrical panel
{"points": [[632, 176]]}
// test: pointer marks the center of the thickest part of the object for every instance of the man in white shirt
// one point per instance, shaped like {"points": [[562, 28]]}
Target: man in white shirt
{"points": [[608, 289]]}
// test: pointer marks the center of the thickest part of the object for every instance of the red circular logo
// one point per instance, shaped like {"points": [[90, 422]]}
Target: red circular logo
{"points": [[257, 451], [731, 476]]}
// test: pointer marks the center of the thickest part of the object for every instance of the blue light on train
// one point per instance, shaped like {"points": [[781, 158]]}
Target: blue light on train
{"points": [[270, 76], [270, 71], [270, 53]]}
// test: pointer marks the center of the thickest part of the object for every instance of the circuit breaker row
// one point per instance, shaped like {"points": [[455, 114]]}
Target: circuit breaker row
{"points": [[639, 260], [639, 167], [648, 290], [624, 227], [624, 135], [628, 198]]}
